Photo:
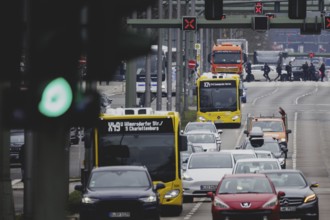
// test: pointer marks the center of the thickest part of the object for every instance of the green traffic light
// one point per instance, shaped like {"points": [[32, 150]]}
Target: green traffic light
{"points": [[56, 98]]}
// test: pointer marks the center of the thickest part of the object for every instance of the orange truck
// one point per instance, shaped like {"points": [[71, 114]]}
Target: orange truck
{"points": [[228, 56]]}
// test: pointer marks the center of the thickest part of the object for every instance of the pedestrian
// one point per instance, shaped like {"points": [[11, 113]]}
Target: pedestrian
{"points": [[311, 72], [305, 68], [322, 71], [21, 158], [249, 76], [279, 72], [266, 72], [288, 69]]}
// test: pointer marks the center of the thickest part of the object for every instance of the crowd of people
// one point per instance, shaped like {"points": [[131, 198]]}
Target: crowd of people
{"points": [[309, 72]]}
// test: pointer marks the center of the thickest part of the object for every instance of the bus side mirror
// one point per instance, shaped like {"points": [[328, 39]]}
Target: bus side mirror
{"points": [[183, 143], [245, 57], [240, 92], [209, 58]]}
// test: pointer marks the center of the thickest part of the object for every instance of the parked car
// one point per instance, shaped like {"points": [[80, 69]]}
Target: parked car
{"points": [[16, 142], [205, 139], [245, 196], [300, 200], [203, 173], [278, 149], [120, 192], [255, 165], [74, 135]]}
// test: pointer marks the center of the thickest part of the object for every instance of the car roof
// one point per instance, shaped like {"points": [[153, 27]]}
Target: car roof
{"points": [[124, 167], [240, 151], [210, 153], [238, 175], [202, 131], [281, 171], [256, 159]]}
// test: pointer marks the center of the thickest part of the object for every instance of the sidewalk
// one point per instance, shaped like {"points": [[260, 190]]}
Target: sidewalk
{"points": [[17, 184]]}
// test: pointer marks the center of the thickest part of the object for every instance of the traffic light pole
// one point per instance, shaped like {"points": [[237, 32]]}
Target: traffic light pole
{"points": [[6, 192]]}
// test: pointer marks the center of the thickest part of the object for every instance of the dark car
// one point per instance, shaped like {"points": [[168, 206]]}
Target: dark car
{"points": [[300, 200], [120, 192], [16, 142], [270, 144], [245, 196]]}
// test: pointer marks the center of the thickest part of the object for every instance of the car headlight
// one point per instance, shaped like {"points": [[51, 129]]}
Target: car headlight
{"points": [[201, 118], [89, 200], [149, 199], [310, 198], [271, 203], [235, 117], [219, 203], [172, 194], [186, 177]]}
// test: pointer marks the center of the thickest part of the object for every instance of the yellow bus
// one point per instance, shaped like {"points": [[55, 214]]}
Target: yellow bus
{"points": [[142, 136], [219, 99]]}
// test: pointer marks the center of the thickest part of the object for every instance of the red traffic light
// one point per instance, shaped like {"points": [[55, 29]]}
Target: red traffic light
{"points": [[311, 55], [189, 23], [258, 8], [327, 22]]}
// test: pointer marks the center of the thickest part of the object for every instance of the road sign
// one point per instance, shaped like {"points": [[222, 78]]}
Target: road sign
{"points": [[191, 64], [189, 23]]}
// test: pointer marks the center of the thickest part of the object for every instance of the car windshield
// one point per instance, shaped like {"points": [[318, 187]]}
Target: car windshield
{"points": [[287, 179], [201, 138], [203, 160], [269, 126], [119, 179], [270, 146], [255, 166], [245, 185], [201, 126], [243, 156]]}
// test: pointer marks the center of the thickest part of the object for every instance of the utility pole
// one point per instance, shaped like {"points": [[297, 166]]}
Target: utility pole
{"points": [[178, 67], [147, 93], [169, 60], [159, 61]]}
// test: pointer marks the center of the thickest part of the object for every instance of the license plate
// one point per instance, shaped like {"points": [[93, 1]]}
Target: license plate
{"points": [[119, 214], [208, 187], [288, 209]]}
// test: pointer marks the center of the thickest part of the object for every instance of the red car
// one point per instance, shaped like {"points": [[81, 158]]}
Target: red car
{"points": [[245, 196]]}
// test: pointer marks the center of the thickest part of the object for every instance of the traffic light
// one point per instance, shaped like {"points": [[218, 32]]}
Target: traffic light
{"points": [[297, 9], [326, 22], [260, 23], [189, 23], [213, 9], [258, 8], [109, 40]]}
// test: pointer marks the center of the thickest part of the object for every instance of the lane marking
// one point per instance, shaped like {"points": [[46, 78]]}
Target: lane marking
{"points": [[194, 209], [265, 95], [306, 94], [294, 154], [241, 134]]}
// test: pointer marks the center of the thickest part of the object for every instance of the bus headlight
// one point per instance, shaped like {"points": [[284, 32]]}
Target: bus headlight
{"points": [[235, 118], [172, 194]]}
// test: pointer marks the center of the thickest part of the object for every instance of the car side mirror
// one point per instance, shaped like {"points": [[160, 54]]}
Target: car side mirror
{"points": [[280, 194], [314, 185], [210, 195], [246, 132], [220, 131], [159, 186], [78, 188], [238, 147]]}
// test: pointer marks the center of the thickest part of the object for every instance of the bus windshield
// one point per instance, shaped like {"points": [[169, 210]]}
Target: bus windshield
{"points": [[155, 151], [218, 99]]}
